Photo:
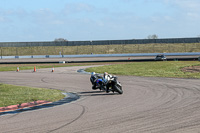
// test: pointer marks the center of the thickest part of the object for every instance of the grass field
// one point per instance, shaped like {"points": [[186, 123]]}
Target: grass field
{"points": [[13, 67], [12, 95], [30, 66], [150, 69], [101, 49]]}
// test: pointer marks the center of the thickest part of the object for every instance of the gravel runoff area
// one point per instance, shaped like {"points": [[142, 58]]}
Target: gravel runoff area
{"points": [[193, 69]]}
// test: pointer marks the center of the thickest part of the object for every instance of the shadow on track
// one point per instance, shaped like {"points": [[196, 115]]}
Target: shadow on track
{"points": [[95, 93]]}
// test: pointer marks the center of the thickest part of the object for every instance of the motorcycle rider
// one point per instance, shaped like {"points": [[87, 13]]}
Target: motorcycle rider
{"points": [[106, 78], [93, 79], [105, 82]]}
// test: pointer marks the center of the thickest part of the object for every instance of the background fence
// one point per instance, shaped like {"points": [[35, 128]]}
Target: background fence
{"points": [[100, 47], [103, 42]]}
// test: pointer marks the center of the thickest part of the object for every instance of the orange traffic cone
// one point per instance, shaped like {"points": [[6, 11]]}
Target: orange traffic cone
{"points": [[34, 69], [17, 69], [52, 69]]}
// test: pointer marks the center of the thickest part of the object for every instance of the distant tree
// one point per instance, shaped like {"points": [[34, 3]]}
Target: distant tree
{"points": [[154, 36], [60, 40], [198, 36]]}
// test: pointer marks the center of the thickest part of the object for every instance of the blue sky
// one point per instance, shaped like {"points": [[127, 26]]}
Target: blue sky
{"points": [[79, 20]]}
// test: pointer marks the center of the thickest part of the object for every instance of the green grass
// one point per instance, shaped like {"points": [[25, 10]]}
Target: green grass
{"points": [[31, 66], [101, 49], [12, 95], [150, 69], [14, 68]]}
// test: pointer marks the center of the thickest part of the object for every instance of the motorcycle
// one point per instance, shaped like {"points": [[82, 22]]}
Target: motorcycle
{"points": [[114, 85], [98, 82]]}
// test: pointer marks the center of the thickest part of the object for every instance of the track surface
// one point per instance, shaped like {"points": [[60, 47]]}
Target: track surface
{"points": [[148, 105]]}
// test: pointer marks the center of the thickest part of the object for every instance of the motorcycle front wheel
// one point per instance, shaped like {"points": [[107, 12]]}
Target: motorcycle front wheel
{"points": [[118, 89]]}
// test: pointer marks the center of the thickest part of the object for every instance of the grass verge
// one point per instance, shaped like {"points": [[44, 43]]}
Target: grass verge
{"points": [[101, 49], [150, 69], [11, 67], [12, 95]]}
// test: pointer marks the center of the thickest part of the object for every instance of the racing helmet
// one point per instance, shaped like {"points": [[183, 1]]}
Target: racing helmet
{"points": [[93, 73]]}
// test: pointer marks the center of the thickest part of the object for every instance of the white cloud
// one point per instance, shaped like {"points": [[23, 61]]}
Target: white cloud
{"points": [[83, 21], [77, 8], [44, 16], [57, 22], [10, 15], [187, 5], [2, 19], [184, 11]]}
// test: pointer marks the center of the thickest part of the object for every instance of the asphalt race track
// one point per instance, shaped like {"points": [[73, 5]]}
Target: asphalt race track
{"points": [[148, 105], [94, 59]]}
